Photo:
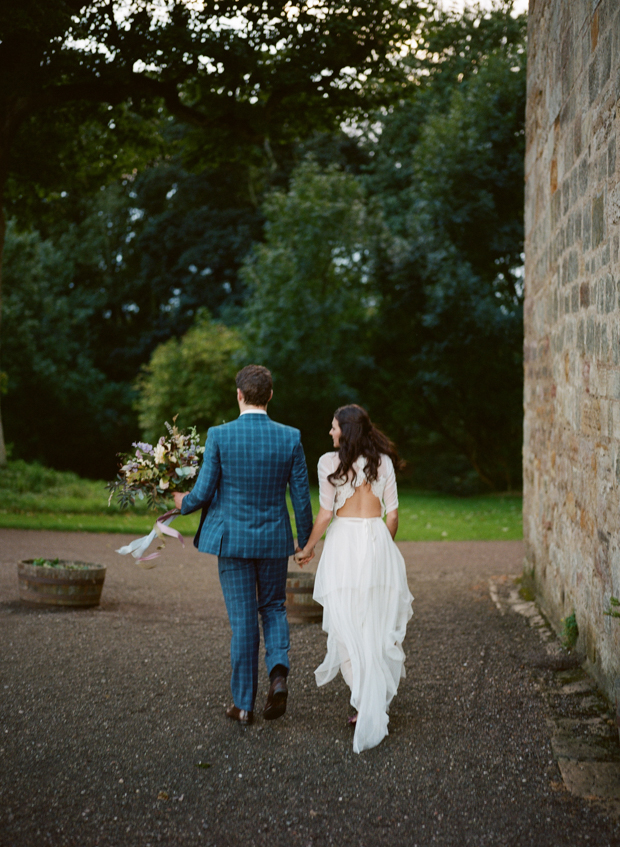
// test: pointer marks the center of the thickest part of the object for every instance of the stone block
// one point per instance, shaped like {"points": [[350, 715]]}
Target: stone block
{"points": [[593, 81], [604, 342], [613, 205], [610, 293], [565, 196], [581, 342], [591, 778], [615, 418], [613, 384], [584, 167], [605, 62], [573, 266], [590, 336], [598, 220], [605, 255], [587, 228]]}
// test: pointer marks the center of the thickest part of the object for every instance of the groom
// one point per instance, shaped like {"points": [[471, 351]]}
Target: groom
{"points": [[241, 490]]}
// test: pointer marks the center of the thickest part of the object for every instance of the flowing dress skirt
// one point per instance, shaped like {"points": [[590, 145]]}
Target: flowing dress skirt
{"points": [[361, 583]]}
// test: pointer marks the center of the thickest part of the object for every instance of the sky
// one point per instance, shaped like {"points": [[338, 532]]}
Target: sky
{"points": [[520, 5]]}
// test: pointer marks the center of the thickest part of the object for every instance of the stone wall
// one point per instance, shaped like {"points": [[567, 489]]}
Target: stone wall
{"points": [[571, 449]]}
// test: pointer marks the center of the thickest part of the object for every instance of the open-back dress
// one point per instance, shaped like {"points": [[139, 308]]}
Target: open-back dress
{"points": [[361, 583]]}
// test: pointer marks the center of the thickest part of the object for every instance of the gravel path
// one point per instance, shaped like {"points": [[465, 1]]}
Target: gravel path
{"points": [[113, 732]]}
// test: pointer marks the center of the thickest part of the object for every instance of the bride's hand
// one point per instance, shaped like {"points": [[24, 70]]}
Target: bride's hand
{"points": [[302, 557]]}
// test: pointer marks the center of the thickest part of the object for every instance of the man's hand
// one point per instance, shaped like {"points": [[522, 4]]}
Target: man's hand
{"points": [[178, 498]]}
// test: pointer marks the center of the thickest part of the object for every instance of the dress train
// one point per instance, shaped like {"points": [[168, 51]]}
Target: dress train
{"points": [[361, 583]]}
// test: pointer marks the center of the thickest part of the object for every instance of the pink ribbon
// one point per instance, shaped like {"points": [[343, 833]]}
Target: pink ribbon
{"points": [[163, 529], [160, 529]]}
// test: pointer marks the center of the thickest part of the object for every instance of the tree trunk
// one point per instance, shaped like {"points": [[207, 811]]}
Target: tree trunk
{"points": [[12, 113], [3, 177]]}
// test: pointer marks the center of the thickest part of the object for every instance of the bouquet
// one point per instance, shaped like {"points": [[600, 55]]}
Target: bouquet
{"points": [[154, 473]]}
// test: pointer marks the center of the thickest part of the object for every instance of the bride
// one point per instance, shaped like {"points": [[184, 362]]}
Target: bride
{"points": [[361, 580]]}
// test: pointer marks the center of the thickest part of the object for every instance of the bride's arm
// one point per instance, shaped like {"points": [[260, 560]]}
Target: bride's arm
{"points": [[320, 525], [391, 521], [390, 496], [327, 494]]}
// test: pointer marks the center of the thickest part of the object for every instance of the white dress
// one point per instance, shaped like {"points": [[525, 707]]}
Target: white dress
{"points": [[361, 583]]}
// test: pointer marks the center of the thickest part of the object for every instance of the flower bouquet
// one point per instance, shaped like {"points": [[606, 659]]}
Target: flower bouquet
{"points": [[153, 473]]}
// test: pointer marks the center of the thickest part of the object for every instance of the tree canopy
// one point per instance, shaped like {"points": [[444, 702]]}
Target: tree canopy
{"points": [[448, 171], [245, 78], [340, 187]]}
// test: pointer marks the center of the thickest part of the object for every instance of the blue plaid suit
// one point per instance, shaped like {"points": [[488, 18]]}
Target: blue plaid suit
{"points": [[241, 490]]}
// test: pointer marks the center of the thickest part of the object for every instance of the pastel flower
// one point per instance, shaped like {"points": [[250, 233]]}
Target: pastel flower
{"points": [[142, 445]]}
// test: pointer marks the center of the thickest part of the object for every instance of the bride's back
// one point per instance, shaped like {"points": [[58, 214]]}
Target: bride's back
{"points": [[362, 504], [355, 497]]}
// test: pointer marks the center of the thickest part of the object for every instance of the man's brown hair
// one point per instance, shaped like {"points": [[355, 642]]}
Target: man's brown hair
{"points": [[256, 384]]}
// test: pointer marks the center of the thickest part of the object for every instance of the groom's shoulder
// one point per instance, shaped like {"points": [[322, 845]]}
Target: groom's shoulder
{"points": [[216, 432], [281, 430], [289, 432]]}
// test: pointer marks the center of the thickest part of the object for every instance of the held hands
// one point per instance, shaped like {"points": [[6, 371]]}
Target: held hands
{"points": [[178, 498], [302, 557]]}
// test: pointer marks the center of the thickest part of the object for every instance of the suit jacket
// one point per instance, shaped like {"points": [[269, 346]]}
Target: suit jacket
{"points": [[241, 489]]}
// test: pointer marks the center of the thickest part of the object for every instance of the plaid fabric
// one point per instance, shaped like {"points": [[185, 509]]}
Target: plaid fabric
{"points": [[241, 489], [250, 587]]}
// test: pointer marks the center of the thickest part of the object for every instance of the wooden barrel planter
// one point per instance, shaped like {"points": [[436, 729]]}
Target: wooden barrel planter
{"points": [[63, 583], [300, 606]]}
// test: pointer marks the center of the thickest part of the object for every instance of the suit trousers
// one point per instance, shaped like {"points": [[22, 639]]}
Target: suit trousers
{"points": [[250, 587]]}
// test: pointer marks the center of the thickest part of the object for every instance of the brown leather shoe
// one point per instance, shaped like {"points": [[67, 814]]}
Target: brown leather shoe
{"points": [[240, 715], [276, 699]]}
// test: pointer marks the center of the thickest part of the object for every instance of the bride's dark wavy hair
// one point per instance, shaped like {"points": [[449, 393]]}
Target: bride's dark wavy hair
{"points": [[360, 437]]}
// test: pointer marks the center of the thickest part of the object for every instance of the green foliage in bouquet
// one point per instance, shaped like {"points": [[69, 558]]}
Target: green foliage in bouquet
{"points": [[156, 472]]}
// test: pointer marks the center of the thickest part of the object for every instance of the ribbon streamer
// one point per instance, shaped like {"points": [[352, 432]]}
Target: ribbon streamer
{"points": [[161, 527]]}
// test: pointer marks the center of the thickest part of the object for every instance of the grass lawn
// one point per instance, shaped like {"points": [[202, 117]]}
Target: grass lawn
{"points": [[32, 497]]}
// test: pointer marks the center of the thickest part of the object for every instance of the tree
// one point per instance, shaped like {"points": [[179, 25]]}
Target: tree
{"points": [[193, 378], [310, 297], [64, 407], [245, 89], [449, 174]]}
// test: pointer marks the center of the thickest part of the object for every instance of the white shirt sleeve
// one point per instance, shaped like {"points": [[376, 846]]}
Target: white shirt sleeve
{"points": [[390, 493], [327, 491]]}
